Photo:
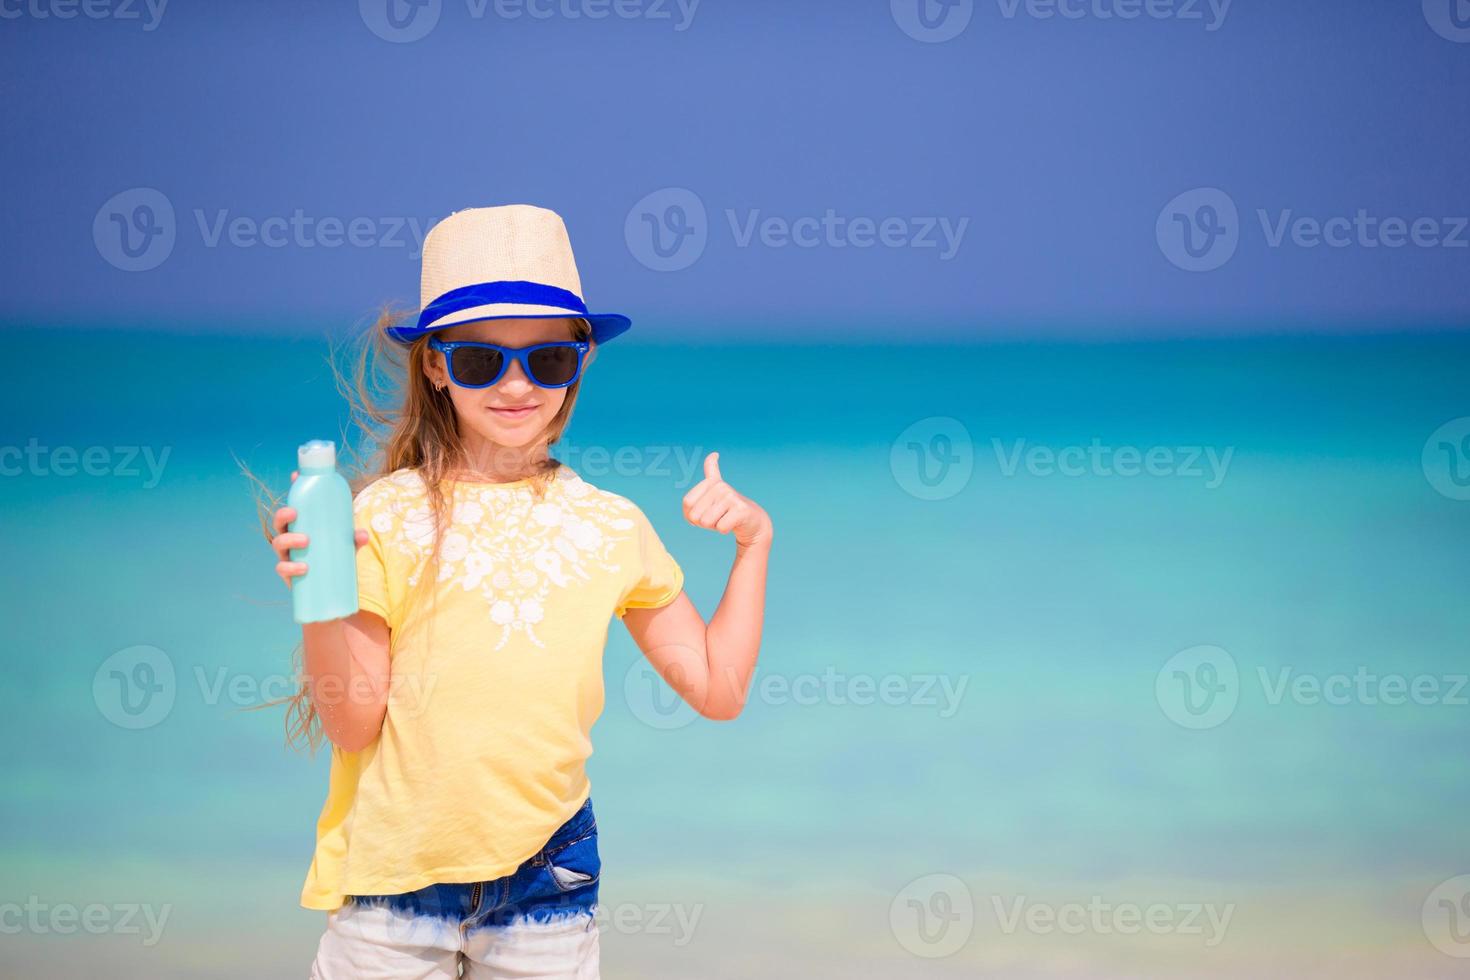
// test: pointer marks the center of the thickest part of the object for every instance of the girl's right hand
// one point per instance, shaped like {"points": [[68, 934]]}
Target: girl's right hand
{"points": [[285, 540]]}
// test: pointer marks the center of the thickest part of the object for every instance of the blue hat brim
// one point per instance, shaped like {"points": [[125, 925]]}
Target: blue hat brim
{"points": [[605, 326]]}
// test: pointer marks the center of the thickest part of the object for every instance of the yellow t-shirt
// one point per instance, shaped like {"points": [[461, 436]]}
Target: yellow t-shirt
{"points": [[495, 686]]}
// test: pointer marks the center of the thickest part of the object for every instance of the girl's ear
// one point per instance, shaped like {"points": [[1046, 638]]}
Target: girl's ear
{"points": [[434, 370]]}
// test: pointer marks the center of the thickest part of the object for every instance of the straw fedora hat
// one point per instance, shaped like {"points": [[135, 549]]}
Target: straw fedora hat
{"points": [[493, 263]]}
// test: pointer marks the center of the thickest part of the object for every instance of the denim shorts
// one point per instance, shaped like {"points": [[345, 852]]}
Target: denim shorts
{"points": [[540, 918]]}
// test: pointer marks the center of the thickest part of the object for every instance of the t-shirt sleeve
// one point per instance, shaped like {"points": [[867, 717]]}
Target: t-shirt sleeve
{"points": [[370, 514], [657, 578]]}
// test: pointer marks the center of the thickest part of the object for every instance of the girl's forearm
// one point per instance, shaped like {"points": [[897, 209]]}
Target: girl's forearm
{"points": [[347, 672], [733, 636]]}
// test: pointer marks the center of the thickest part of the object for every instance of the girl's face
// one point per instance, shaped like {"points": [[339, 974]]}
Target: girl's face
{"points": [[514, 411]]}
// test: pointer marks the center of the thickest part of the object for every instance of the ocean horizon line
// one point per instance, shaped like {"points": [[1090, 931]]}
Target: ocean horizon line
{"points": [[807, 331]]}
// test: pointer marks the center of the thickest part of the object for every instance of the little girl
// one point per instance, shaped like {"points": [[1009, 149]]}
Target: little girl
{"points": [[458, 830]]}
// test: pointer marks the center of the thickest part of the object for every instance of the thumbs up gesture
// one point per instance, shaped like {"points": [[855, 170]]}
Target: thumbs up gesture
{"points": [[714, 504]]}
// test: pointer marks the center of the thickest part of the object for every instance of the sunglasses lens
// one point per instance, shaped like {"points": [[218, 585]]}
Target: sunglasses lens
{"points": [[554, 365], [476, 366]]}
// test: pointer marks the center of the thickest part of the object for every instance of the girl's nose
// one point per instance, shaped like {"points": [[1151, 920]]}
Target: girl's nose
{"points": [[515, 379]]}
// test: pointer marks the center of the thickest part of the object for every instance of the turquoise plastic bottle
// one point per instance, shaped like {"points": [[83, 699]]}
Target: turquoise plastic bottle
{"points": [[323, 503]]}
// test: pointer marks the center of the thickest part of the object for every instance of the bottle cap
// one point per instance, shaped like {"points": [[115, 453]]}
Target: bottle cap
{"points": [[318, 454]]}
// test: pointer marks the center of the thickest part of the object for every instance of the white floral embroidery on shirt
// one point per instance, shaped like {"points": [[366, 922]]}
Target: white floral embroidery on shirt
{"points": [[509, 547]]}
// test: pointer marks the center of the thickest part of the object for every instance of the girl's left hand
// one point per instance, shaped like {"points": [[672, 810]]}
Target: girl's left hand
{"points": [[714, 504]]}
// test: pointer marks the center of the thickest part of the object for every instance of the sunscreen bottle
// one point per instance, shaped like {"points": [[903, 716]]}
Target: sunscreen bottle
{"points": [[323, 503]]}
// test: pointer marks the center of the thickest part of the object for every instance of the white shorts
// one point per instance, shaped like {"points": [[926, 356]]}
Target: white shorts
{"points": [[538, 922]]}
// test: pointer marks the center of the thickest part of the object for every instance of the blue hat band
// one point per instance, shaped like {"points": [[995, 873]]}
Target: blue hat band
{"points": [[502, 291]]}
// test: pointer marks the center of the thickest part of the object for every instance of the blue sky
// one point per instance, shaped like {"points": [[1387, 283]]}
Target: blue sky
{"points": [[816, 163]]}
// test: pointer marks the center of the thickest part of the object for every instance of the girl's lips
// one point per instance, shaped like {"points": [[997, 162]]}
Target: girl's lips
{"points": [[514, 413]]}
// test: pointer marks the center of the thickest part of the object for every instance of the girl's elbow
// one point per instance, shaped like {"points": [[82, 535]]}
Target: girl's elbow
{"points": [[353, 740], [355, 731], [721, 711]]}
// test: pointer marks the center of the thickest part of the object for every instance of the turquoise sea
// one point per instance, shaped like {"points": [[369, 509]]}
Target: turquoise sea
{"points": [[1129, 659]]}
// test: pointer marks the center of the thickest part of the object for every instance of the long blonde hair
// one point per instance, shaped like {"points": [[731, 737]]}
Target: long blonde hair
{"points": [[405, 423]]}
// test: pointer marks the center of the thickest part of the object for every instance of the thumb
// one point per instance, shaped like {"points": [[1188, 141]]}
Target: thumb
{"points": [[712, 467]]}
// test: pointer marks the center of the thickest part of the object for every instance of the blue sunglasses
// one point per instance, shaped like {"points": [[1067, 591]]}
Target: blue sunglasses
{"points": [[475, 365]]}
